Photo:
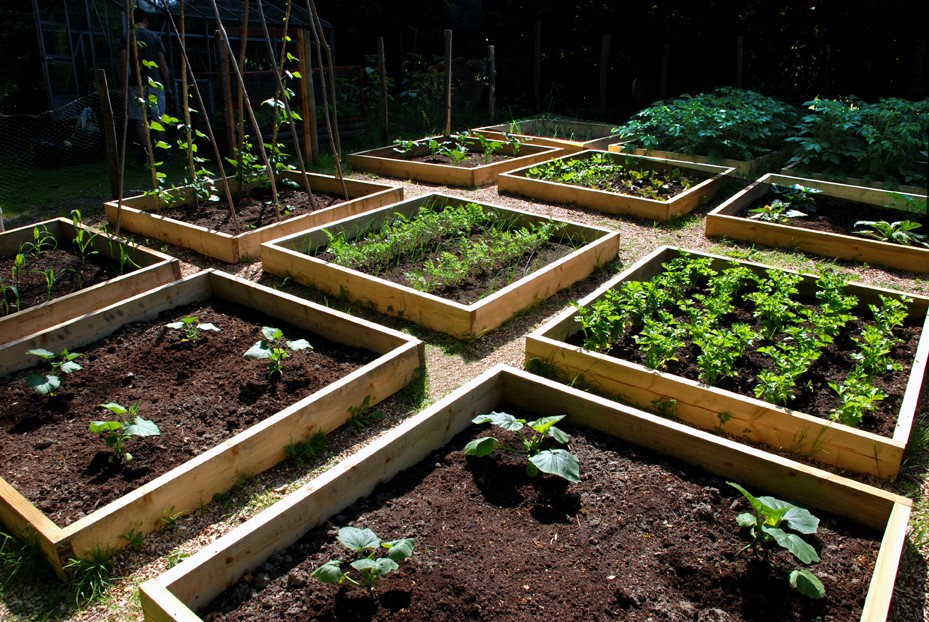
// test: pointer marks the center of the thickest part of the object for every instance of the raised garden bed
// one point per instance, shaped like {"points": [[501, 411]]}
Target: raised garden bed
{"points": [[791, 171], [706, 180], [139, 215], [829, 231], [730, 405], [215, 460], [303, 257], [418, 163], [572, 527], [79, 287], [748, 169], [570, 135]]}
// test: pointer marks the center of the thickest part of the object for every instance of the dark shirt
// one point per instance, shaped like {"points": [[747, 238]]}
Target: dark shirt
{"points": [[149, 46]]}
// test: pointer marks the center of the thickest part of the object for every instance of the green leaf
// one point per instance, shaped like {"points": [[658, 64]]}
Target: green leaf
{"points": [[480, 447], [400, 549], [800, 548], [385, 565], [746, 520], [542, 425], [358, 539], [558, 434], [101, 427], [365, 564], [504, 420], [115, 408], [299, 344], [141, 427], [558, 462], [68, 367], [43, 384], [156, 126], [800, 520], [807, 583], [42, 353], [271, 333], [756, 505], [330, 572], [258, 351]]}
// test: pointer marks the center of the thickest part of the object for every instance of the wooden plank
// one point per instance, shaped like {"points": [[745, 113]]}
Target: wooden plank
{"points": [[23, 520], [383, 161], [824, 441], [852, 181], [200, 578], [160, 605], [518, 182], [154, 269], [578, 135], [722, 222], [289, 257], [744, 168], [136, 217]]}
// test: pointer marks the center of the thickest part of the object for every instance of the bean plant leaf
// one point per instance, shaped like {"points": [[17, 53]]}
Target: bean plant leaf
{"points": [[258, 351], [330, 572], [755, 503], [542, 425], [558, 462], [400, 549], [141, 427], [358, 539], [800, 520], [99, 427], [481, 447], [746, 520], [558, 434], [43, 384], [800, 548], [299, 344], [270, 333], [42, 353], [807, 583], [115, 408], [379, 566], [69, 366], [504, 420]]}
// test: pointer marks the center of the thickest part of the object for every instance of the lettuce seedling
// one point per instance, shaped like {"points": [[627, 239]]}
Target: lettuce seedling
{"points": [[370, 567], [191, 328], [116, 433], [274, 348], [48, 384], [772, 521], [560, 462]]}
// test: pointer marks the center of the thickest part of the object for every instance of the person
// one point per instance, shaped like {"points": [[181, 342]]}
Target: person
{"points": [[151, 50]]}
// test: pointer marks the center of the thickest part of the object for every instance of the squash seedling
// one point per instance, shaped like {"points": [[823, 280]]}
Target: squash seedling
{"points": [[773, 521], [274, 348], [560, 462], [370, 567], [116, 433], [48, 384], [191, 328]]}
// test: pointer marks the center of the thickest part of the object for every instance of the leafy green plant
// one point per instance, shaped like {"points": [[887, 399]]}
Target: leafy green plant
{"points": [[720, 349], [305, 452], [560, 462], [364, 415], [898, 232], [405, 146], [90, 577], [48, 384], [775, 522], [660, 339], [49, 275], [366, 545], [83, 239], [274, 348], [42, 240], [191, 328], [776, 211], [116, 433], [856, 398]]}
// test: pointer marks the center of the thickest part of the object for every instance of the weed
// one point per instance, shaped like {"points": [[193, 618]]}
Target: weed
{"points": [[364, 416]]}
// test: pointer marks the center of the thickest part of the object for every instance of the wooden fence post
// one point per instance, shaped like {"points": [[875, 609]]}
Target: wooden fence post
{"points": [[307, 98], [448, 82], [226, 88], [109, 132]]}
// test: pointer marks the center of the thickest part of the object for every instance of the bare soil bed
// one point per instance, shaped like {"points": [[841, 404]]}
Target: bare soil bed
{"points": [[473, 160], [254, 210], [813, 394], [197, 394], [70, 275], [641, 537], [836, 215]]}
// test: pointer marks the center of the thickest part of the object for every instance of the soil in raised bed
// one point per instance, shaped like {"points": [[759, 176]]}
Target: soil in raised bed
{"points": [[812, 394], [641, 537], [835, 215], [198, 395], [70, 275], [474, 159], [254, 210]]}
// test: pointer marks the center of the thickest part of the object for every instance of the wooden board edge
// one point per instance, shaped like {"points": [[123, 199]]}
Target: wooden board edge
{"points": [[880, 590]]}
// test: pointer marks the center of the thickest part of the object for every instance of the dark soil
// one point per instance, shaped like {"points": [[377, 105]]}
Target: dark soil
{"points": [[254, 210], [198, 395], [835, 215], [639, 538], [813, 394], [472, 161], [70, 275], [642, 188]]}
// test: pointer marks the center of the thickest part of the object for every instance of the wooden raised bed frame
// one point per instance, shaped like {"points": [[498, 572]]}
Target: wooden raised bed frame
{"points": [[723, 222], [517, 182], [749, 169], [749, 418], [288, 257], [596, 135], [176, 594], [386, 161], [790, 171], [154, 269], [138, 215], [190, 485]]}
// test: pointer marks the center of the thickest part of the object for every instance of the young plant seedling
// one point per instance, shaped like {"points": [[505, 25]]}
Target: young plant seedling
{"points": [[773, 521], [116, 433], [48, 384], [370, 567], [560, 462], [191, 328], [274, 348]]}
